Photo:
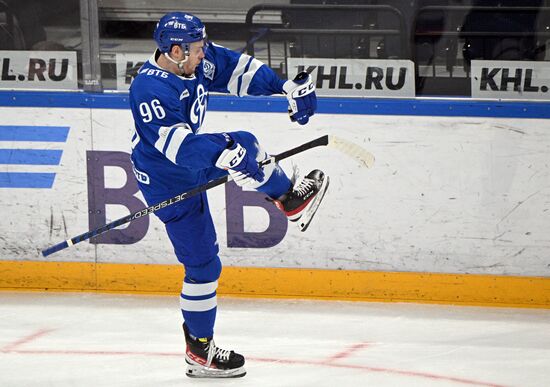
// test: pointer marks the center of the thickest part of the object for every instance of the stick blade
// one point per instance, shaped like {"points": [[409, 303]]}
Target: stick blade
{"points": [[364, 157]]}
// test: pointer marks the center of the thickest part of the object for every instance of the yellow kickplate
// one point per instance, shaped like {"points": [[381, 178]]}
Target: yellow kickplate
{"points": [[465, 289]]}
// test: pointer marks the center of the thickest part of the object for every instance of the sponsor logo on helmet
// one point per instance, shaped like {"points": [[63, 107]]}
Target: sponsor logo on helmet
{"points": [[175, 24]]}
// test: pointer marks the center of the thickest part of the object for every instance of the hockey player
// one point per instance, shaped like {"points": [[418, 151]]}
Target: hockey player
{"points": [[168, 100]]}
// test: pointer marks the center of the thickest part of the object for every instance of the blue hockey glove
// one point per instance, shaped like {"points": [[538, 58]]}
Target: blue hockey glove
{"points": [[243, 167], [302, 101]]}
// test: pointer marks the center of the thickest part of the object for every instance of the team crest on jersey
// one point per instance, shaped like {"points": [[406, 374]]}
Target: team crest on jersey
{"points": [[198, 108], [208, 69]]}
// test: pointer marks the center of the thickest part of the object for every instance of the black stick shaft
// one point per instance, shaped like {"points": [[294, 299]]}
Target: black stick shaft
{"points": [[321, 141]]}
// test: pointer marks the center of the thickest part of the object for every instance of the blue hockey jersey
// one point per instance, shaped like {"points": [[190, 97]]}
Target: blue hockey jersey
{"points": [[168, 152]]}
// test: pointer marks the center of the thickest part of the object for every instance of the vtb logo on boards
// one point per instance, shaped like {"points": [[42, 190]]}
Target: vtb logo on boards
{"points": [[24, 161], [101, 196]]}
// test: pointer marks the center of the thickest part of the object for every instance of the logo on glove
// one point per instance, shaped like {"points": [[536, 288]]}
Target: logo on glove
{"points": [[306, 90], [238, 157]]}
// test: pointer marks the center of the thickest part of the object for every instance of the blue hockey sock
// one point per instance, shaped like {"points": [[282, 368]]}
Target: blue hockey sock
{"points": [[198, 304]]}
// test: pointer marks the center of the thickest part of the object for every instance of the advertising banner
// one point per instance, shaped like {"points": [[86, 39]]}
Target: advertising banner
{"points": [[49, 70], [446, 194], [127, 66], [357, 77], [510, 79]]}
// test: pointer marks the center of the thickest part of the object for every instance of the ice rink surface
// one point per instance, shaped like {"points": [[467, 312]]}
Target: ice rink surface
{"points": [[86, 339]]}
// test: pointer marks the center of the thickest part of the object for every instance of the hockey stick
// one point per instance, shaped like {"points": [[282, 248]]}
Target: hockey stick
{"points": [[334, 142], [352, 150], [321, 141]]}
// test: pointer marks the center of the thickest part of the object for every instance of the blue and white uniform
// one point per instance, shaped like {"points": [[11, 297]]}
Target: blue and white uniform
{"points": [[169, 109], [170, 156]]}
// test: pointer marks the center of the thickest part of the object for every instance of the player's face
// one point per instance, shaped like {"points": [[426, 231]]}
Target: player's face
{"points": [[196, 55]]}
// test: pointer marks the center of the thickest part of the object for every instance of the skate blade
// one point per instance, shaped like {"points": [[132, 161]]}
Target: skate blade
{"points": [[198, 371], [309, 213]]}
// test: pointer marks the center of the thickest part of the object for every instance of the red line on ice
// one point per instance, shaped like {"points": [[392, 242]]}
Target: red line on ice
{"points": [[381, 369], [27, 339], [325, 363], [347, 352]]}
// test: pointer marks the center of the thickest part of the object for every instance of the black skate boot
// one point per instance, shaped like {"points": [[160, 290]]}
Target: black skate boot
{"points": [[205, 360], [301, 202]]}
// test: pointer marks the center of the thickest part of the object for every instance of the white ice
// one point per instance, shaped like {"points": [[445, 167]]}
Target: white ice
{"points": [[80, 339]]}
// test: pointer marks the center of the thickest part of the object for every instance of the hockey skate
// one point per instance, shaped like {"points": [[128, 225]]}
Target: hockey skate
{"points": [[205, 360], [301, 202]]}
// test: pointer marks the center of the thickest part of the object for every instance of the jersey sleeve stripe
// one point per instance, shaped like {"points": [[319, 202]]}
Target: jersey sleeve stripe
{"points": [[175, 142], [164, 131], [233, 84], [135, 139], [248, 75]]}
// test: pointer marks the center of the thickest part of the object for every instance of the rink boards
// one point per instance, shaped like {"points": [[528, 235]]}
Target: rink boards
{"points": [[456, 209]]}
